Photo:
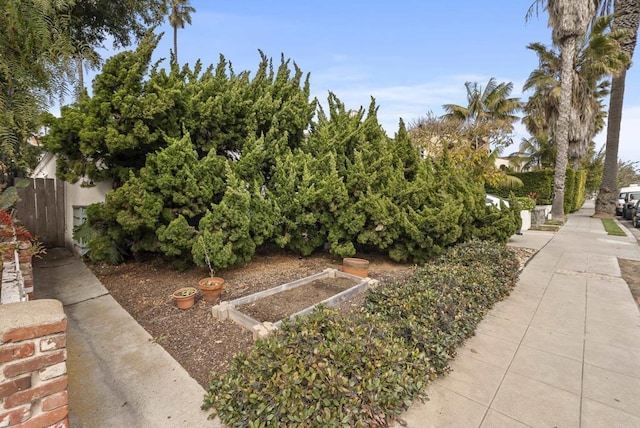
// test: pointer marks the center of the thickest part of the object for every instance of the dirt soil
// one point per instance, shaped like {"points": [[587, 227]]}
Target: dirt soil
{"points": [[282, 305], [201, 343], [631, 273]]}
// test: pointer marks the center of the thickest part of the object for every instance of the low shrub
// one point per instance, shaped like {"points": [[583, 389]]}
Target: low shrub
{"points": [[527, 203], [365, 369]]}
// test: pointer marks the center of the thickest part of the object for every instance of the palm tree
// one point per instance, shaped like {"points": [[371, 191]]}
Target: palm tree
{"points": [[568, 20], [179, 16], [626, 17], [489, 111], [598, 55], [536, 153]]}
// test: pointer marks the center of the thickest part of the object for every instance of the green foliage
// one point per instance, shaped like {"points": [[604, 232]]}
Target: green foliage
{"points": [[569, 190], [526, 203], [226, 228], [612, 227], [364, 370], [628, 173], [110, 134], [95, 233], [34, 66], [539, 182], [574, 190], [322, 370], [581, 188], [218, 155], [497, 224], [9, 195], [176, 239]]}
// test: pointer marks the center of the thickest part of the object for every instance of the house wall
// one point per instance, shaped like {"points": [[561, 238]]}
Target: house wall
{"points": [[75, 195]]}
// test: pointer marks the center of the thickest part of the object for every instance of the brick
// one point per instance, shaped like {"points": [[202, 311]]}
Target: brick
{"points": [[53, 371], [42, 390], [35, 363], [62, 424], [14, 385], [16, 352], [23, 333], [55, 400], [15, 416], [47, 419], [50, 343]]}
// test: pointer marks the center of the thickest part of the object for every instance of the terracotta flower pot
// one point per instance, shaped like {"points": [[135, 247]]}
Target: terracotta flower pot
{"points": [[185, 297], [354, 266], [211, 288]]}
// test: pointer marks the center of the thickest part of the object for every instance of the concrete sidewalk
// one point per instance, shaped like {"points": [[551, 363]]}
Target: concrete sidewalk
{"points": [[117, 376], [563, 350]]}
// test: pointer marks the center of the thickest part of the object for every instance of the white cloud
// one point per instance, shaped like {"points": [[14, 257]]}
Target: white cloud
{"points": [[355, 87]]}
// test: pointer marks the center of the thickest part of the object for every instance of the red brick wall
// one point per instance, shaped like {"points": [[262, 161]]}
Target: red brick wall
{"points": [[33, 370]]}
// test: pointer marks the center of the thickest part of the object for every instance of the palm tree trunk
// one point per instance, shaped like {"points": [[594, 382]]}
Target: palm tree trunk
{"points": [[175, 42], [567, 49], [627, 17], [606, 201], [80, 78]]}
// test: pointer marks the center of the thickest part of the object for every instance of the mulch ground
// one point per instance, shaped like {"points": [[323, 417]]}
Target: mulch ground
{"points": [[201, 343]]}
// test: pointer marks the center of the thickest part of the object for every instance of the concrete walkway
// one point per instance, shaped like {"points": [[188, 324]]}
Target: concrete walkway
{"points": [[563, 350], [117, 376]]}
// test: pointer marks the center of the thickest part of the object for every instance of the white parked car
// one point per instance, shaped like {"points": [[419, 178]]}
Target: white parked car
{"points": [[622, 197], [495, 201]]}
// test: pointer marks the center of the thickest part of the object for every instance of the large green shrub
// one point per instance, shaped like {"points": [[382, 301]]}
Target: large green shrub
{"points": [[365, 369], [300, 184], [226, 229], [541, 183]]}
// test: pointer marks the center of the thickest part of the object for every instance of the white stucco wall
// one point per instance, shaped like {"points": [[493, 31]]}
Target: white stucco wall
{"points": [[46, 168], [525, 215], [75, 195]]}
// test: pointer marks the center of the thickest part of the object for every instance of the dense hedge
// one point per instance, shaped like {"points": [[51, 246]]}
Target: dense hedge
{"points": [[238, 163], [541, 183], [364, 370], [580, 193]]}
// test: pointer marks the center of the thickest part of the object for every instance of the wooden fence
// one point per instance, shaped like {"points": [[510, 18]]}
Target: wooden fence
{"points": [[41, 209]]}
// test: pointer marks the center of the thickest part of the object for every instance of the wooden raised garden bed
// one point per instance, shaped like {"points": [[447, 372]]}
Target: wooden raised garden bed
{"points": [[241, 310]]}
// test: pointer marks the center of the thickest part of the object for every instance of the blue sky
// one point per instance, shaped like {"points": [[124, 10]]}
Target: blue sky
{"points": [[412, 56]]}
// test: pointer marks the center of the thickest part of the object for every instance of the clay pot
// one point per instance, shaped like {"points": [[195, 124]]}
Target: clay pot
{"points": [[211, 288], [185, 297], [355, 266]]}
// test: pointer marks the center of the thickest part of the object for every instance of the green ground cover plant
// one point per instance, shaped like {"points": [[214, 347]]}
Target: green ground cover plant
{"points": [[364, 369], [612, 228]]}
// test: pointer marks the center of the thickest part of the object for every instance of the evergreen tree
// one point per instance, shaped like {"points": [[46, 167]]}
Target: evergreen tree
{"points": [[226, 228], [110, 134]]}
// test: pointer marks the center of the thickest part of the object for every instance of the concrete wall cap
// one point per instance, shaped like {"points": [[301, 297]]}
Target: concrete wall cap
{"points": [[30, 314]]}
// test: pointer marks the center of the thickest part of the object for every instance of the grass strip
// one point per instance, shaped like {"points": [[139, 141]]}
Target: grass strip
{"points": [[612, 227]]}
